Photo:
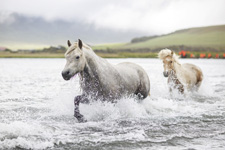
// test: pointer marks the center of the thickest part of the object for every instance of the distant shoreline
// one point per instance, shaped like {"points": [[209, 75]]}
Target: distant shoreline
{"points": [[104, 55]]}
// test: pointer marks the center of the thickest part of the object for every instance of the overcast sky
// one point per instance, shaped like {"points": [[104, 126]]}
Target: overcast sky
{"points": [[147, 16]]}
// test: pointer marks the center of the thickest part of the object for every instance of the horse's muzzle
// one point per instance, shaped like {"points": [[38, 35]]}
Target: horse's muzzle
{"points": [[66, 75], [165, 73]]}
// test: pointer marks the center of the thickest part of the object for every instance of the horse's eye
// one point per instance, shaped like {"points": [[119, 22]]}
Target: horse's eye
{"points": [[77, 57], [170, 61]]}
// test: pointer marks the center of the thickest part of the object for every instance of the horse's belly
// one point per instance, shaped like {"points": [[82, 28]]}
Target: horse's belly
{"points": [[119, 89], [108, 91]]}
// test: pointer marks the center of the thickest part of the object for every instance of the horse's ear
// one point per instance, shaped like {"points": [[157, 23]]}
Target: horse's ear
{"points": [[68, 43], [171, 53], [80, 44]]}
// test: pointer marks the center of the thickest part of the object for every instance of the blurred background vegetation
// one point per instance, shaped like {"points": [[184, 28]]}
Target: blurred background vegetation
{"points": [[202, 42]]}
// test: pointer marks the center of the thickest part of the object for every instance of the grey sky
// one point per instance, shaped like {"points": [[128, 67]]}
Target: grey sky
{"points": [[147, 16]]}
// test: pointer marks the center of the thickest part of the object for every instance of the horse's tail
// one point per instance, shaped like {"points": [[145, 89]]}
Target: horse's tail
{"points": [[199, 78]]}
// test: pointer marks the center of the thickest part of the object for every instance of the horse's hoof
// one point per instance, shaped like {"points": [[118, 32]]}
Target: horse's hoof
{"points": [[80, 118]]}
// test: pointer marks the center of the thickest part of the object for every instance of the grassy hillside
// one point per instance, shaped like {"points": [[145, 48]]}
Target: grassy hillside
{"points": [[107, 46], [202, 38]]}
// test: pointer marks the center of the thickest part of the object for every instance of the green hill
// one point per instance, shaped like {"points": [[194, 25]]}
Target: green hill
{"points": [[194, 39]]}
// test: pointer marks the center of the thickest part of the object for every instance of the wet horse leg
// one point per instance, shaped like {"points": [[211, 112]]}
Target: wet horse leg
{"points": [[77, 100]]}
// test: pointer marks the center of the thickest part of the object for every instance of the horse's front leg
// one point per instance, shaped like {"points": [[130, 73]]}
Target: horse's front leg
{"points": [[181, 88], [77, 100]]}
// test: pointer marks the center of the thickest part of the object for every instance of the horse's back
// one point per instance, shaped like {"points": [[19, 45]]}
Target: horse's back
{"points": [[136, 76], [128, 68], [192, 68]]}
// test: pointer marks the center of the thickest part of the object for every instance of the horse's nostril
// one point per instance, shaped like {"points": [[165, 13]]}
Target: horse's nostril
{"points": [[67, 73], [165, 74]]}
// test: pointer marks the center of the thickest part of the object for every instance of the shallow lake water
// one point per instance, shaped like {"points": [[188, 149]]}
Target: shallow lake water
{"points": [[36, 110]]}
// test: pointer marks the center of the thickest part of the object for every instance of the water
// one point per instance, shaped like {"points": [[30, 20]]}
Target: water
{"points": [[36, 110]]}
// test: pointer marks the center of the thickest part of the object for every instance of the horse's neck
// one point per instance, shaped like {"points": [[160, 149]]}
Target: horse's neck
{"points": [[175, 75], [91, 63], [172, 75], [175, 71], [93, 66], [177, 67]]}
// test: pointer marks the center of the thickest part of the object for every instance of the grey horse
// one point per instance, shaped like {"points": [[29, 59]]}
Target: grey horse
{"points": [[100, 80]]}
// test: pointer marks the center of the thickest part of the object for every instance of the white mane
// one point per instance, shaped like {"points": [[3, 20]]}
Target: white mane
{"points": [[167, 52]]}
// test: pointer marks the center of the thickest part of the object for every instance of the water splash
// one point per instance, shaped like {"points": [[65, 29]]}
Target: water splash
{"points": [[39, 113]]}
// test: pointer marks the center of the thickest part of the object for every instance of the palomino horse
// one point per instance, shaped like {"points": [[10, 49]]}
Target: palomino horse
{"points": [[100, 79], [180, 76]]}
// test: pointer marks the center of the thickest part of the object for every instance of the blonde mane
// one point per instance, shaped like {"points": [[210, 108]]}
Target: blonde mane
{"points": [[167, 52], [75, 45]]}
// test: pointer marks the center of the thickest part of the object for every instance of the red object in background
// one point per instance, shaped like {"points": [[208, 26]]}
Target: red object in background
{"points": [[192, 55], [202, 55], [209, 55], [217, 56], [183, 54], [223, 55]]}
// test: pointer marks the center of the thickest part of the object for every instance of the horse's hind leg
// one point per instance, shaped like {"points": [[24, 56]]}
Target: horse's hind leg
{"points": [[77, 101]]}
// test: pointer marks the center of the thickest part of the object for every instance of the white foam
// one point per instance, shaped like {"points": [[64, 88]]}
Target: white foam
{"points": [[129, 108], [40, 112], [206, 88], [25, 135], [124, 108]]}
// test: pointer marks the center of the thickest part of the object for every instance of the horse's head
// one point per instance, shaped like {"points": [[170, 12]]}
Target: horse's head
{"points": [[168, 61], [75, 60], [168, 65]]}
